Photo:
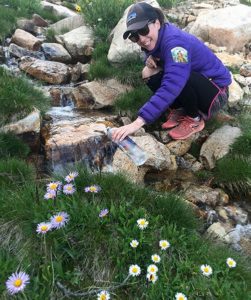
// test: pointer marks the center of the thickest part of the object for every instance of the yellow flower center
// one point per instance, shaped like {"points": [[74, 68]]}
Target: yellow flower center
{"points": [[103, 297], [181, 298], [134, 270], [206, 269], [18, 282], [152, 269], [69, 188], [93, 188], [59, 219], [53, 186], [230, 263], [44, 228]]}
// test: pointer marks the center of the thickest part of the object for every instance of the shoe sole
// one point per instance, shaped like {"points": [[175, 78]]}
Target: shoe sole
{"points": [[197, 129]]}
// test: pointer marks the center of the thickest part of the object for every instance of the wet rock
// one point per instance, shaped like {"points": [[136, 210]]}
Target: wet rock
{"points": [[19, 52], [26, 40], [56, 52], [48, 71], [218, 144]]}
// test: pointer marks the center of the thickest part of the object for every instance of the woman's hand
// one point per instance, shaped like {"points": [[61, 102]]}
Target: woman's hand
{"points": [[118, 134], [151, 62]]}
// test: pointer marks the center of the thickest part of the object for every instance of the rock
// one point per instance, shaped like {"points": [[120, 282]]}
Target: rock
{"points": [[203, 194], [218, 144], [235, 94], [245, 70], [180, 147], [234, 61], [224, 27], [68, 24], [31, 123], [25, 40], [39, 21], [79, 43], [19, 52], [98, 94], [49, 71], [217, 230], [59, 10], [26, 25], [56, 52]]}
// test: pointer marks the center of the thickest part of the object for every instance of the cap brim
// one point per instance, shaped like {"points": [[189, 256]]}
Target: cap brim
{"points": [[134, 27]]}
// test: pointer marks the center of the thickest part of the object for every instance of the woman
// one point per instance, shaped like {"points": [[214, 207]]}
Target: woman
{"points": [[185, 75]]}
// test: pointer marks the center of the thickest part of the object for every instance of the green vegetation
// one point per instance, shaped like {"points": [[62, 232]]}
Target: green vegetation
{"points": [[92, 252], [89, 252], [11, 10], [18, 97]]}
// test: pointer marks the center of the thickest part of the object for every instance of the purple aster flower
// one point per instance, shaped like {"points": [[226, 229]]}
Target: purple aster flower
{"points": [[69, 189], [59, 220], [103, 213], [93, 189], [17, 282], [50, 195], [54, 186]]}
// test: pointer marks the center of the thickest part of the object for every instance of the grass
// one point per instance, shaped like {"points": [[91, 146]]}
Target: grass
{"points": [[90, 252], [94, 252], [11, 10], [18, 97]]}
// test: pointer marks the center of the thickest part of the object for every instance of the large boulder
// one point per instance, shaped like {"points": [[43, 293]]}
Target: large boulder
{"points": [[230, 27], [218, 145]]}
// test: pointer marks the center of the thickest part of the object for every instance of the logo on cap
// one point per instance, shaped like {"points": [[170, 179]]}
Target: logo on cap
{"points": [[132, 16]]}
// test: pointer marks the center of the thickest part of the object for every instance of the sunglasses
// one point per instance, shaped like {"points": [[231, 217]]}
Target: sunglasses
{"points": [[134, 36]]}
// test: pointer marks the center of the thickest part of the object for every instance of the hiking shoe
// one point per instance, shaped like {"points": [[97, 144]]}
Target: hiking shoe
{"points": [[186, 128], [173, 118]]}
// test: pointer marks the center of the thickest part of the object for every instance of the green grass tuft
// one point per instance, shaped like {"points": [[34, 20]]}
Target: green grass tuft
{"points": [[11, 145], [233, 173], [18, 97], [14, 171]]}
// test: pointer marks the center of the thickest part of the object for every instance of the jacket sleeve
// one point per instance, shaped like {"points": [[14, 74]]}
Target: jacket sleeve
{"points": [[175, 76]]}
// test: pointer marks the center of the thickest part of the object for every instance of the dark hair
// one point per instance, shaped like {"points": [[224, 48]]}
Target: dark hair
{"points": [[161, 17]]}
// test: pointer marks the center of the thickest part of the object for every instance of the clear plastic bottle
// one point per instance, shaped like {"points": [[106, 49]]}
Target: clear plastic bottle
{"points": [[130, 148]]}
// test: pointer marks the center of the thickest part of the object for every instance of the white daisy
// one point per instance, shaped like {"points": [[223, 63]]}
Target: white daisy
{"points": [[59, 220], [69, 189], [152, 269], [180, 296], [152, 277], [142, 223], [231, 262], [50, 195], [71, 176], [17, 282], [54, 186], [206, 270], [103, 295], [134, 270], [134, 243], [43, 227], [164, 244], [155, 258]]}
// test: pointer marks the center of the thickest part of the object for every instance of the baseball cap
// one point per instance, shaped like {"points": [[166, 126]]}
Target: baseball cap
{"points": [[138, 17]]}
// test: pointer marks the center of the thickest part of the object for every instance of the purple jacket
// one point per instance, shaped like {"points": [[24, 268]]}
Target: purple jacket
{"points": [[198, 58]]}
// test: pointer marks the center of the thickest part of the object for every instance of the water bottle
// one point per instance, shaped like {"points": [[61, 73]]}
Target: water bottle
{"points": [[130, 148]]}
